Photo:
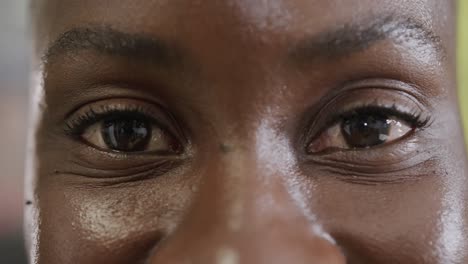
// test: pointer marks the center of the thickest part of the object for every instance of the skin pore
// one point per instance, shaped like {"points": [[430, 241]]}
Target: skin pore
{"points": [[238, 131]]}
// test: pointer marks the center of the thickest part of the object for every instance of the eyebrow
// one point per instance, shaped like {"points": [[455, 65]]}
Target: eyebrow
{"points": [[106, 40], [353, 38], [332, 44]]}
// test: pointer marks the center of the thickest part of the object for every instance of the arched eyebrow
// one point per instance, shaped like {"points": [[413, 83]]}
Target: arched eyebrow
{"points": [[351, 38], [108, 41]]}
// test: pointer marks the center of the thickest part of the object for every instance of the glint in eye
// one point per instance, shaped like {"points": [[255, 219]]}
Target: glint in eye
{"points": [[127, 134], [360, 131]]}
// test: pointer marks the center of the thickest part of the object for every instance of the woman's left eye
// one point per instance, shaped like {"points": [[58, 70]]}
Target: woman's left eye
{"points": [[361, 130], [128, 134]]}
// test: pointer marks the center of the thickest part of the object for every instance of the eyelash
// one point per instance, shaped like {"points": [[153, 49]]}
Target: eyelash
{"points": [[414, 118], [78, 124]]}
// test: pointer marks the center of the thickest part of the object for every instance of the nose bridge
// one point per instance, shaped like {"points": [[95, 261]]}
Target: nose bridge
{"points": [[244, 213], [247, 194], [239, 193], [251, 184]]}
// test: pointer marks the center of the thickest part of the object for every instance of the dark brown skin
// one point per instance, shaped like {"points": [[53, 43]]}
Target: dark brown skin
{"points": [[248, 161]]}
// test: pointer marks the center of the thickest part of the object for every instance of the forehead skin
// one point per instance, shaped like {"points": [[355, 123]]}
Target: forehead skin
{"points": [[245, 80]]}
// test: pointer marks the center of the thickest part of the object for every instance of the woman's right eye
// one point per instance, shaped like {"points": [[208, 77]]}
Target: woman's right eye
{"points": [[126, 134], [124, 125]]}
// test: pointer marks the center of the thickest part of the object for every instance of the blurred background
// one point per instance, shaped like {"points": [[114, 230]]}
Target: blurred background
{"points": [[463, 59], [14, 48], [13, 114]]}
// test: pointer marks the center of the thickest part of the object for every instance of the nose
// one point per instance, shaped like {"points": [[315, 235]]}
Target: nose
{"points": [[243, 214]]}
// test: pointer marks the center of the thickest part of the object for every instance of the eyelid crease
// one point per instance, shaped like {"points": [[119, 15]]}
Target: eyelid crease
{"points": [[153, 168], [105, 178]]}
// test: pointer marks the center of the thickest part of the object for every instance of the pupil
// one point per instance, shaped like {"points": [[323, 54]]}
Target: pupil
{"points": [[365, 130], [126, 134]]}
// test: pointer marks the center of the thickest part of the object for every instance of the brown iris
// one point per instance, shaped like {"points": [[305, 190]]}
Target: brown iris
{"points": [[126, 134], [366, 130]]}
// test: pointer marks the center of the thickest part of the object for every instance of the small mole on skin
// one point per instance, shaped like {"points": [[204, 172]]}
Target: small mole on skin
{"points": [[28, 202]]}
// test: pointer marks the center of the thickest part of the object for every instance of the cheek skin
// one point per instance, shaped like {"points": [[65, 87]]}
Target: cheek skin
{"points": [[369, 222], [453, 216], [120, 223], [419, 221]]}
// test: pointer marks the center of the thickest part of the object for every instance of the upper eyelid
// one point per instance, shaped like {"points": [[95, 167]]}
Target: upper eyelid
{"points": [[96, 111], [411, 90], [388, 111], [121, 94], [75, 126]]}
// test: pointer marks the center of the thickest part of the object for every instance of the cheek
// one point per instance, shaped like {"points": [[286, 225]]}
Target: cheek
{"points": [[397, 223], [378, 224], [113, 215], [114, 224]]}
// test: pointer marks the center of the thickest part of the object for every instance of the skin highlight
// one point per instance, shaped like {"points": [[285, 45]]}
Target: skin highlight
{"points": [[250, 110]]}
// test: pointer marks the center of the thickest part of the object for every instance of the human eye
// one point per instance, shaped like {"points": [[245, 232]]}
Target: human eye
{"points": [[124, 126], [365, 128], [363, 120]]}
